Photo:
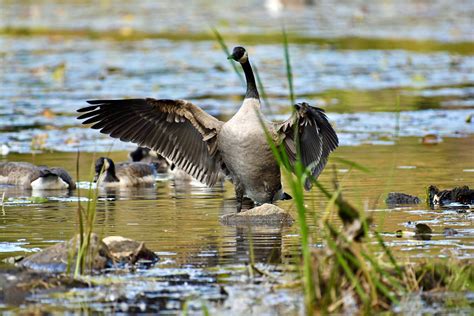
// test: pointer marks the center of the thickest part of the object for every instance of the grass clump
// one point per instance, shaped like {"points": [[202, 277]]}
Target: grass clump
{"points": [[351, 276], [82, 259]]}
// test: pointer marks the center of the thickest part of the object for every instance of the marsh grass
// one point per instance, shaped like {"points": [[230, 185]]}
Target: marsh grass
{"points": [[261, 90], [289, 72], [227, 53], [80, 256]]}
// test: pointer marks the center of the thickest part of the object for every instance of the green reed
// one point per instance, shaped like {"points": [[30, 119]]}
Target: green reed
{"points": [[289, 72], [227, 52], [80, 256]]}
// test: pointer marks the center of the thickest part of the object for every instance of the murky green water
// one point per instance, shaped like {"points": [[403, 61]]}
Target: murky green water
{"points": [[181, 219], [381, 94]]}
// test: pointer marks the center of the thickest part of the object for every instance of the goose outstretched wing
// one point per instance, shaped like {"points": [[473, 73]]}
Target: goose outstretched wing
{"points": [[317, 138], [177, 129]]}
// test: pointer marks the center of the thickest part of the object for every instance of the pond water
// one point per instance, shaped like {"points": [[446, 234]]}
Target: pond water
{"points": [[382, 99]]}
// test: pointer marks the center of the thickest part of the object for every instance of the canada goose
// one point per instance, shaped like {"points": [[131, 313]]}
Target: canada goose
{"points": [[462, 195], [144, 154], [124, 174], [34, 177], [202, 145]]}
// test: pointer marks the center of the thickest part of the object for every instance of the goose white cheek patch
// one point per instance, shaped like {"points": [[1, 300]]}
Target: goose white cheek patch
{"points": [[244, 58], [49, 183]]}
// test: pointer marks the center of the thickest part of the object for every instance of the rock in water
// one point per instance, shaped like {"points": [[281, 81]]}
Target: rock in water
{"points": [[102, 254], [128, 251], [264, 215], [396, 198], [55, 258]]}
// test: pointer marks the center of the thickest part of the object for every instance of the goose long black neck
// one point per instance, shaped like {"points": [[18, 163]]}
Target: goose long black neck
{"points": [[110, 175], [252, 91]]}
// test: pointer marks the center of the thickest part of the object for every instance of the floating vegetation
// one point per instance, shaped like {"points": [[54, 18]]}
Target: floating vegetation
{"points": [[31, 200]]}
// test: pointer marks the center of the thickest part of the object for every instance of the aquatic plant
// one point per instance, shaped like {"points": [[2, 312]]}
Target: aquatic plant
{"points": [[80, 256]]}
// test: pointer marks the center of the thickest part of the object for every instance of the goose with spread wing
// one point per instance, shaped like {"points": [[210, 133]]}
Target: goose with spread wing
{"points": [[202, 145]]}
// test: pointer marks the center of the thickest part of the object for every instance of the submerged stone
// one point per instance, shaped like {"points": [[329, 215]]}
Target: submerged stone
{"points": [[55, 258], [17, 285], [101, 254], [396, 198], [129, 251], [266, 215]]}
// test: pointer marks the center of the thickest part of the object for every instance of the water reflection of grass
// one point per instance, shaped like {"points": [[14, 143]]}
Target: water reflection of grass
{"points": [[357, 43]]}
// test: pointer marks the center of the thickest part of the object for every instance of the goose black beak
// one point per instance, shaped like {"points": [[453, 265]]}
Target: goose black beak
{"points": [[231, 57]]}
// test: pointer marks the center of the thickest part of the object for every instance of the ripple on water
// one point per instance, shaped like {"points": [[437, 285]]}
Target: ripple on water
{"points": [[16, 247]]}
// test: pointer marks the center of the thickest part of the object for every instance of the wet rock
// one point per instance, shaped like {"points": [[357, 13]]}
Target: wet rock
{"points": [[266, 215], [102, 254], [129, 251], [16, 285], [397, 198], [55, 258]]}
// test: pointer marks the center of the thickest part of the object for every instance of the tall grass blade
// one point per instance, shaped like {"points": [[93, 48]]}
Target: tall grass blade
{"points": [[351, 164], [226, 50], [261, 89], [296, 185], [388, 252], [86, 220], [289, 73]]}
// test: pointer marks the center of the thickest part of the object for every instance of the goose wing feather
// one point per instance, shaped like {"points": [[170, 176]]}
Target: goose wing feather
{"points": [[177, 129], [317, 138]]}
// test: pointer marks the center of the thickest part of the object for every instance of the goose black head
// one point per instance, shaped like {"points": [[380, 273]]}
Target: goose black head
{"points": [[432, 193], [239, 54], [105, 169], [139, 153]]}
